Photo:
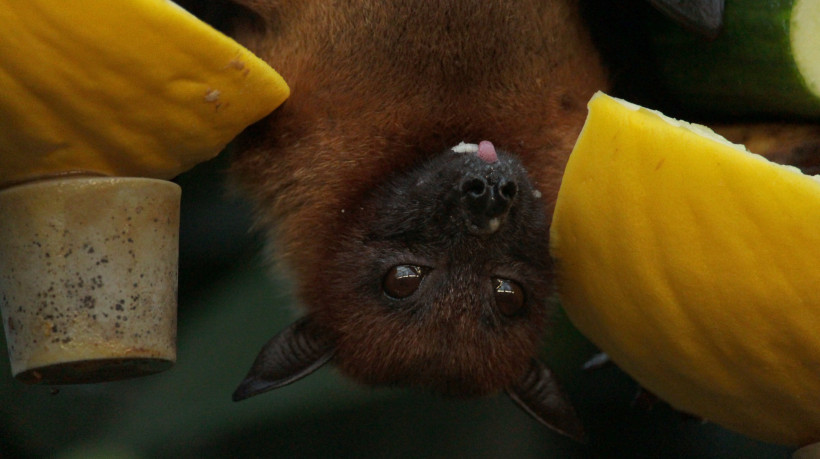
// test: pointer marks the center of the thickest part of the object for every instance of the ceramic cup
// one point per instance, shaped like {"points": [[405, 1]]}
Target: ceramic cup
{"points": [[88, 278]]}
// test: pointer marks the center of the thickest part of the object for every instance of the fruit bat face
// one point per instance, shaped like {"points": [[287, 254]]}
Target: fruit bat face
{"points": [[438, 278], [442, 276]]}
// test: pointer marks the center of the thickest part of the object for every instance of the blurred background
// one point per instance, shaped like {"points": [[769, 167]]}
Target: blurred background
{"points": [[230, 303]]}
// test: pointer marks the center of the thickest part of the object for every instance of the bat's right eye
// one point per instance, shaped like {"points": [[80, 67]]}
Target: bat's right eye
{"points": [[402, 280], [509, 296]]}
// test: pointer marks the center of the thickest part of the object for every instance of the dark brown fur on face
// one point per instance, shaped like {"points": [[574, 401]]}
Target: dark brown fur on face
{"points": [[449, 335], [379, 89]]}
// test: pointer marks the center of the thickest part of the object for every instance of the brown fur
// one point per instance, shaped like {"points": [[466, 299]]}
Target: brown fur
{"points": [[378, 87]]}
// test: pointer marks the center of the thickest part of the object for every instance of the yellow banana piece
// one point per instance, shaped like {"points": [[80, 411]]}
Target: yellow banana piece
{"points": [[696, 266], [126, 88]]}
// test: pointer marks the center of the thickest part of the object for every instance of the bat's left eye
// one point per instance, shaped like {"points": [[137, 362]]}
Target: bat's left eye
{"points": [[509, 296], [402, 280]]}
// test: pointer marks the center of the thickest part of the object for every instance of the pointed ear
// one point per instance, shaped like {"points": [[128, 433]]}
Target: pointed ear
{"points": [[701, 16], [265, 9], [294, 353], [257, 6], [540, 395]]}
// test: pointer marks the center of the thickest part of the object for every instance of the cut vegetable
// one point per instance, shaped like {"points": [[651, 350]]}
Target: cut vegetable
{"points": [[765, 62], [136, 88], [694, 265]]}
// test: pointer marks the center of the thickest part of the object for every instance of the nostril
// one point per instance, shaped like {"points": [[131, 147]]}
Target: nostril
{"points": [[474, 187], [508, 190]]}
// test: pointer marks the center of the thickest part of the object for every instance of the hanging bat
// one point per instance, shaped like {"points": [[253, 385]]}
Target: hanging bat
{"points": [[408, 185]]}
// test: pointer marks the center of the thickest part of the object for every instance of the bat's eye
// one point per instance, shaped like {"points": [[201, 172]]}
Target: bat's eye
{"points": [[402, 280], [509, 296]]}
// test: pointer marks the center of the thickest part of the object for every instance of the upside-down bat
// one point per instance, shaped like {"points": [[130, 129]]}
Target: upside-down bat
{"points": [[408, 184]]}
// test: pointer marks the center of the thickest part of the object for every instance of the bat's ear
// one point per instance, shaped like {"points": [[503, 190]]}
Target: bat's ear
{"points": [[540, 395], [257, 6], [702, 16], [294, 353], [267, 11]]}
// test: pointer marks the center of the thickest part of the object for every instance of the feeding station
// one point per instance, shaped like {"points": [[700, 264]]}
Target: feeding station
{"points": [[101, 103]]}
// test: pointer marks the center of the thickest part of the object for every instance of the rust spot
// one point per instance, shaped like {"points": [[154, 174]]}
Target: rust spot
{"points": [[89, 302]]}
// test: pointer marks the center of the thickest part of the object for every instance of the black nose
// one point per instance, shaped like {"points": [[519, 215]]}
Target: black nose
{"points": [[486, 201]]}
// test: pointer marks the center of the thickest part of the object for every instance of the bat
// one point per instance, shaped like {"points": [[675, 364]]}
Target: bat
{"points": [[408, 183]]}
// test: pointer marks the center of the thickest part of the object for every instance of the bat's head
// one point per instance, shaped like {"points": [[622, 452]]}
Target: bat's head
{"points": [[440, 278]]}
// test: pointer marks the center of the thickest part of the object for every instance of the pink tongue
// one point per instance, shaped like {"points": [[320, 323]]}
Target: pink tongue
{"points": [[486, 151]]}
